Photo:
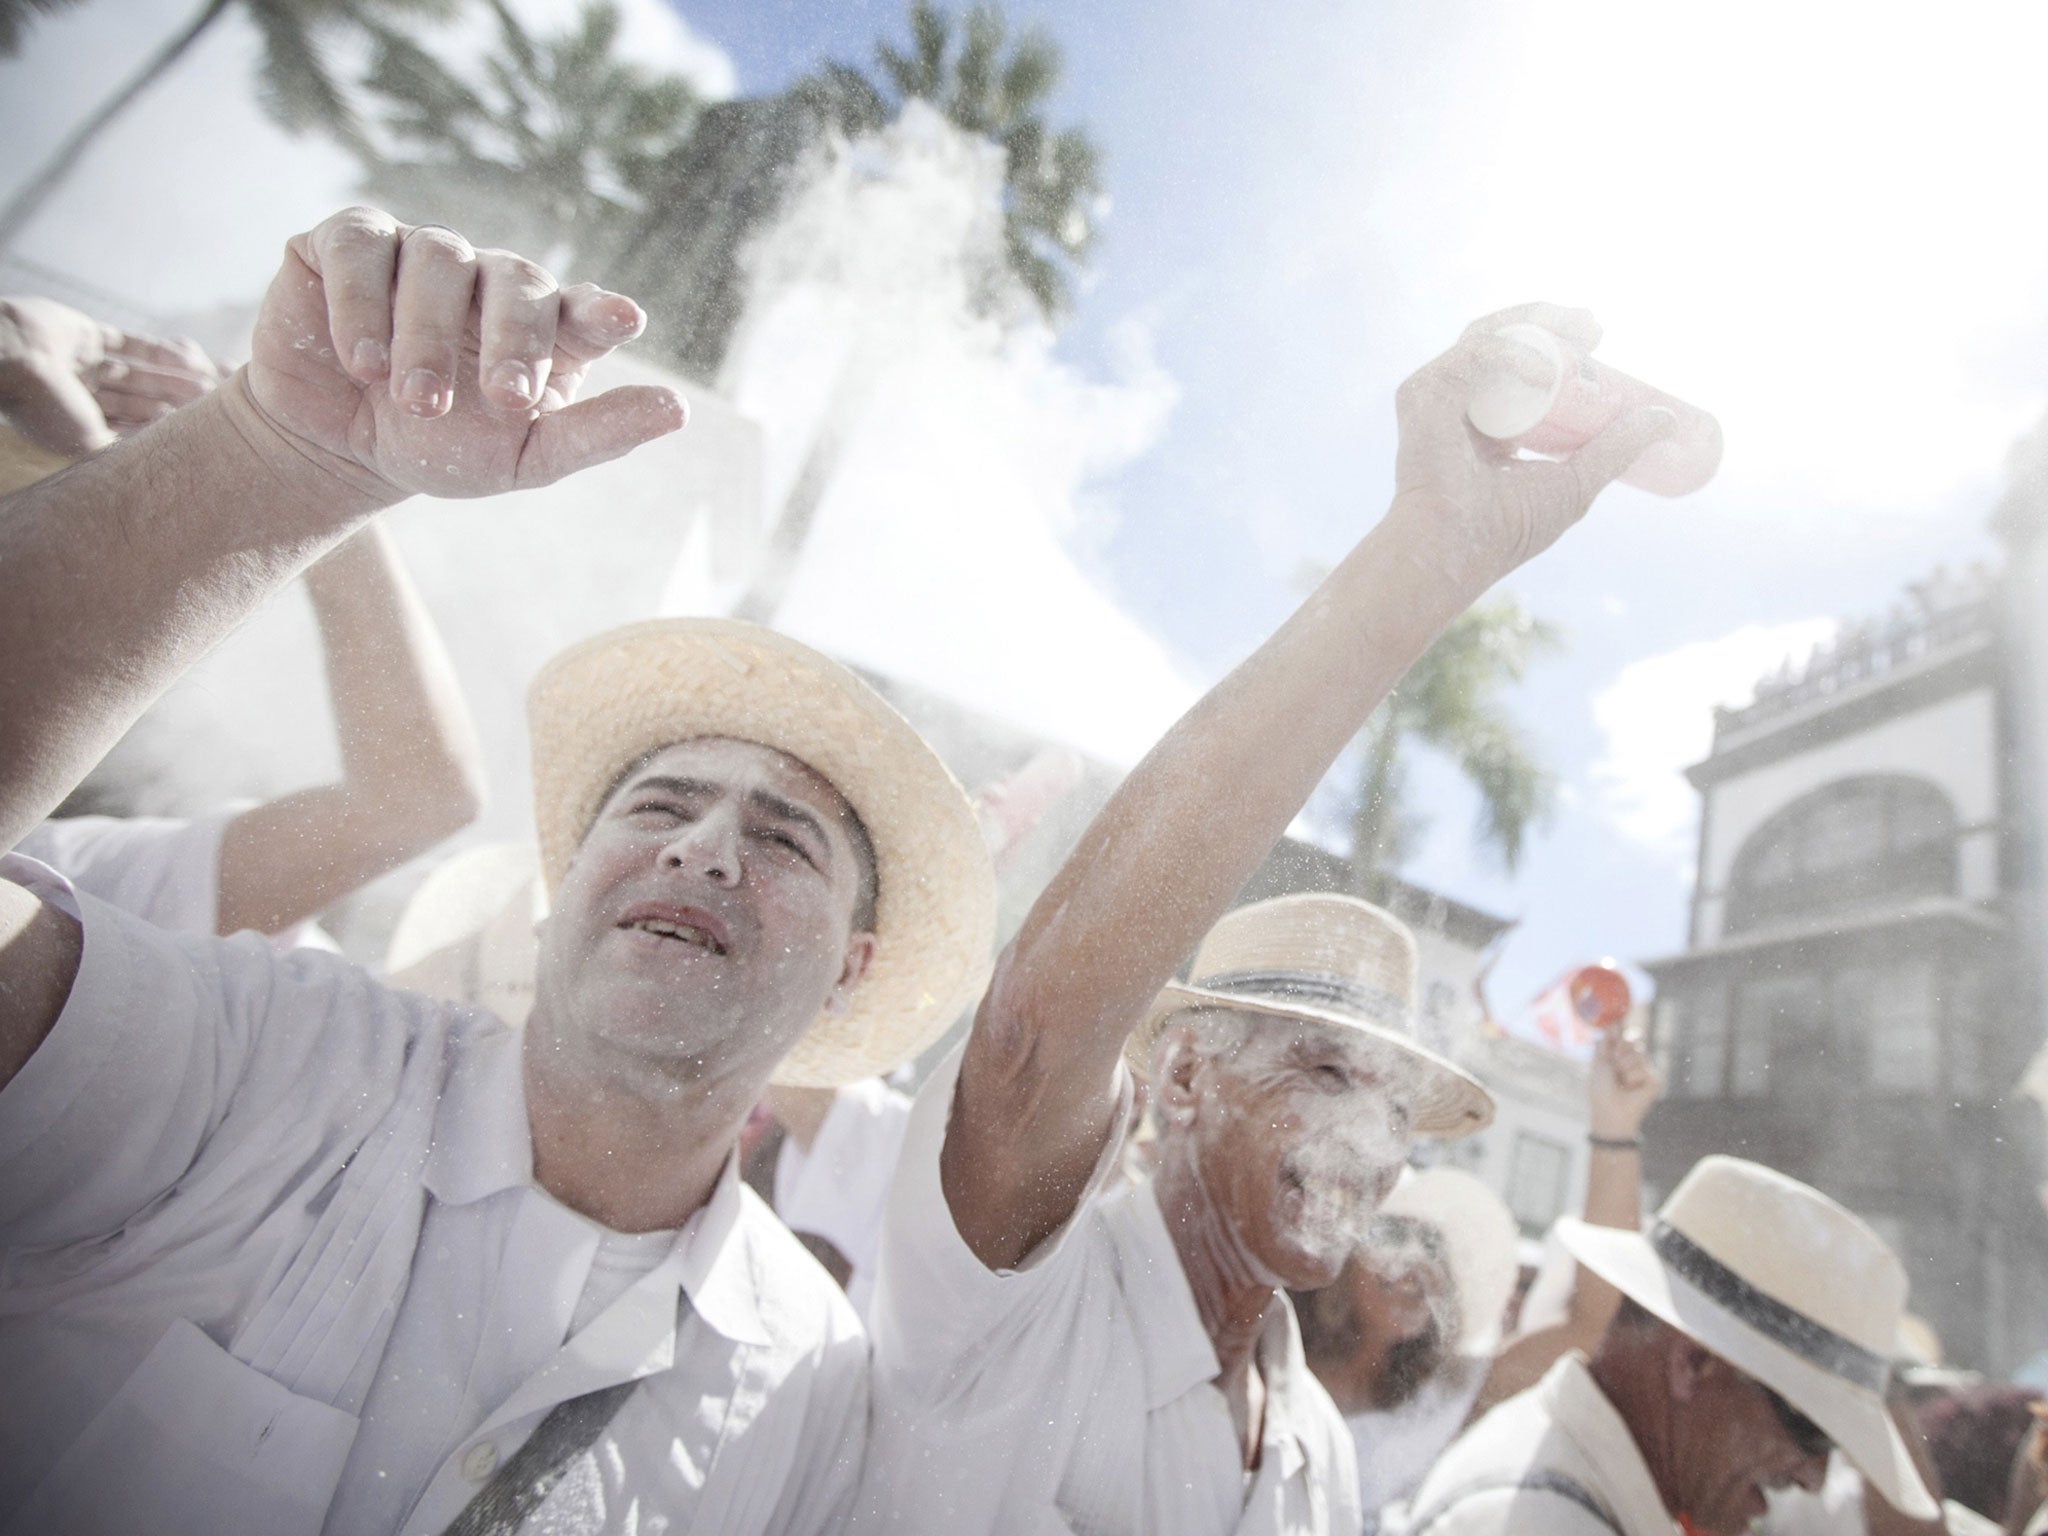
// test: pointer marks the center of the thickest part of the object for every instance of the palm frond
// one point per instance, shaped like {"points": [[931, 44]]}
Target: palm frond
{"points": [[18, 16]]}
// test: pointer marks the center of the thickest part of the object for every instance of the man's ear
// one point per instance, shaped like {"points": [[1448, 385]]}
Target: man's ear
{"points": [[1176, 1063], [1688, 1368], [860, 954]]}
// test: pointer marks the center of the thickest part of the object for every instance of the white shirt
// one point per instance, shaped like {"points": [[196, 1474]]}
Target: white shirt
{"points": [[1564, 1425], [1076, 1393], [271, 1261], [840, 1187]]}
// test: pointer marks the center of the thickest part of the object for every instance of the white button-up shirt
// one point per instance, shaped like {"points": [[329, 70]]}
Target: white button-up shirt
{"points": [[1563, 1428], [271, 1261], [1077, 1393]]}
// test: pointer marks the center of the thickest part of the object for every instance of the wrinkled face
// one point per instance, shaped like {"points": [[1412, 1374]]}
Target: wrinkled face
{"points": [[1300, 1131], [1738, 1445], [705, 920]]}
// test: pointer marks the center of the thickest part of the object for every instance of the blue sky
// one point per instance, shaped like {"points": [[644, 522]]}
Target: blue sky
{"points": [[1310, 197], [1821, 222]]}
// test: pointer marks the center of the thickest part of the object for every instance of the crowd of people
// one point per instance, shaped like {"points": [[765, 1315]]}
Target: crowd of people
{"points": [[615, 1222]]}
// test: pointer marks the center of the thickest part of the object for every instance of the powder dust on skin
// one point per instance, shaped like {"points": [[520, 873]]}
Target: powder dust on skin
{"points": [[1348, 1136]]}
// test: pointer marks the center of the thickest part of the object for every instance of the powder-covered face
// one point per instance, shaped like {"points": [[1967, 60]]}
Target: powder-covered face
{"points": [[1300, 1131], [706, 918]]}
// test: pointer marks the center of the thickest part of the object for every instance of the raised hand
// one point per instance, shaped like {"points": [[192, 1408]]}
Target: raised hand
{"points": [[1484, 509], [1623, 1087], [71, 385], [440, 369]]}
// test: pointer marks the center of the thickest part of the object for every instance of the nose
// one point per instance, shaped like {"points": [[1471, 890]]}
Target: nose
{"points": [[708, 846], [1813, 1471]]}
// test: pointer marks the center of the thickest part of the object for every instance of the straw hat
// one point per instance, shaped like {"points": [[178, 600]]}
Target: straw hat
{"points": [[1328, 959], [604, 704], [1479, 1238], [1787, 1287]]}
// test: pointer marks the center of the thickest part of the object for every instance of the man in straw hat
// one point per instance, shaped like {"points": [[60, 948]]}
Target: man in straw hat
{"points": [[1754, 1337], [1046, 1359], [288, 1252]]}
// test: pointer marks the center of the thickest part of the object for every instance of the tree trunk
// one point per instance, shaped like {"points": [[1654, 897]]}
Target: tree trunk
{"points": [[793, 524], [1372, 823], [28, 201]]}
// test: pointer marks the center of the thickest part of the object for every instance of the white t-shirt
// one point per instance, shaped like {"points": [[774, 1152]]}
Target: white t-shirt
{"points": [[840, 1187], [1078, 1391], [1397, 1447], [274, 1263], [164, 870]]}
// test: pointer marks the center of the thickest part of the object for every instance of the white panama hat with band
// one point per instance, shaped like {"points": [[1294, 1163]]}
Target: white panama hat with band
{"points": [[1326, 959], [603, 705], [1785, 1285]]}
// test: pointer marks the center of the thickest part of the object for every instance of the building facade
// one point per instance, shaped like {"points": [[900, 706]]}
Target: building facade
{"points": [[1850, 1005]]}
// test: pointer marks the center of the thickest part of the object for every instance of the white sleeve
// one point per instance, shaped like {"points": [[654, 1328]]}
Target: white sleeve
{"points": [[939, 1313], [166, 872], [173, 1048]]}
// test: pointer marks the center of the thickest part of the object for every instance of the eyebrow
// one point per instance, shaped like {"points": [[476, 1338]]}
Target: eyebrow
{"points": [[761, 799]]}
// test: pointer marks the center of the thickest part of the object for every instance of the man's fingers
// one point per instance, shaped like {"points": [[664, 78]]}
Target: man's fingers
{"points": [[130, 376], [430, 317], [597, 430], [1607, 457], [53, 409], [519, 302], [594, 321], [355, 254]]}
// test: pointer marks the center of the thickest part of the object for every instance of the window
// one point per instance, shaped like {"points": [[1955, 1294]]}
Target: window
{"points": [[1537, 1172], [1782, 1037], [1858, 843], [1700, 1045], [1901, 1031]]}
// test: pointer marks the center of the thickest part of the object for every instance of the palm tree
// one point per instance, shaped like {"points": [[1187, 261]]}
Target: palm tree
{"points": [[555, 148], [1451, 700], [1052, 179], [296, 84]]}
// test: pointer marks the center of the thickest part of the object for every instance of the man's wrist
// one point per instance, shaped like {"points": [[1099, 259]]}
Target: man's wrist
{"points": [[332, 493], [1427, 529], [1600, 1143]]}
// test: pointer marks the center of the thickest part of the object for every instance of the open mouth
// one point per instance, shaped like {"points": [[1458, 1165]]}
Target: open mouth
{"points": [[698, 929]]}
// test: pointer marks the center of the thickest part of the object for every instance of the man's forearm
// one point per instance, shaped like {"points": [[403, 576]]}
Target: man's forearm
{"points": [[407, 741], [1193, 821], [122, 571]]}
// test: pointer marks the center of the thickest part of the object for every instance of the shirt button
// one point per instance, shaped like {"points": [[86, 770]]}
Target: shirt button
{"points": [[480, 1461]]}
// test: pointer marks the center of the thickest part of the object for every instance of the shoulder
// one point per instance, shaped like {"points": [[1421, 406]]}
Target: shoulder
{"points": [[1515, 1469]]}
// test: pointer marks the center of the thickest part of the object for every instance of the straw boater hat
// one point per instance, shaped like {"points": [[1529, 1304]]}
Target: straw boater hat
{"points": [[601, 706], [1328, 959], [1786, 1286], [1478, 1236]]}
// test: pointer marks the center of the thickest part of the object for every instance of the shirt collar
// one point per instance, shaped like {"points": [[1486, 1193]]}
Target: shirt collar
{"points": [[483, 1145], [1173, 1346], [722, 1264], [481, 1140], [1603, 1439]]}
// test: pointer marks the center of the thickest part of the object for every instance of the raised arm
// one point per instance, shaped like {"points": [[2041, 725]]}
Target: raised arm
{"points": [[387, 360], [1193, 820], [411, 770], [1621, 1090]]}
